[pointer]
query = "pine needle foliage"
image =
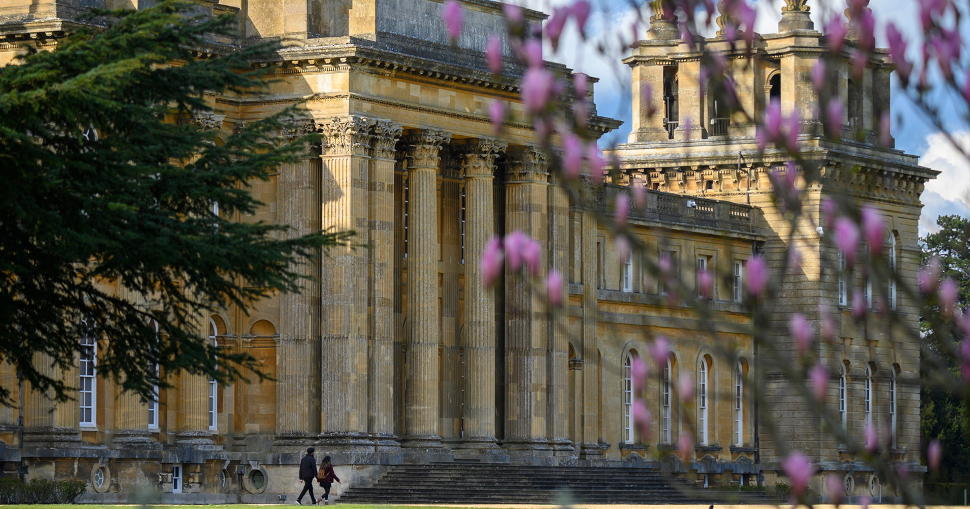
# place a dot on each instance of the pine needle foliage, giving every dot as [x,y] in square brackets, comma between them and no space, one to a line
[107,180]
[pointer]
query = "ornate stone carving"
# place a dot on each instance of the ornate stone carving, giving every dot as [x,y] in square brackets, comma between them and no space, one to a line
[424,147]
[528,164]
[796,6]
[207,119]
[480,155]
[346,135]
[386,134]
[297,128]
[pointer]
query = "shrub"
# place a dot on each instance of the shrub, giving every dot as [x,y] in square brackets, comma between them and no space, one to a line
[40,491]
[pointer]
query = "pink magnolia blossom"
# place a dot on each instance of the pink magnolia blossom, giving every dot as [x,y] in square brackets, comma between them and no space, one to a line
[514,244]
[705,284]
[532,53]
[622,245]
[491,262]
[818,75]
[859,303]
[801,331]
[660,351]
[833,489]
[493,54]
[685,444]
[581,10]
[581,85]
[581,113]
[928,278]
[685,387]
[864,501]
[638,372]
[642,418]
[871,437]
[621,210]
[885,129]
[596,162]
[537,86]
[834,112]
[835,32]
[572,155]
[757,272]
[965,353]
[496,114]
[555,24]
[829,209]
[897,50]
[639,192]
[948,294]
[873,229]
[453,16]
[688,128]
[532,256]
[513,14]
[799,470]
[554,287]
[934,453]
[847,238]
[818,378]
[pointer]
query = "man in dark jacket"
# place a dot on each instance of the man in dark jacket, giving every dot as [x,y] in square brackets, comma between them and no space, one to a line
[308,471]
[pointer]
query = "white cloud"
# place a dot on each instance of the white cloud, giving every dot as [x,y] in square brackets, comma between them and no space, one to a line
[949,193]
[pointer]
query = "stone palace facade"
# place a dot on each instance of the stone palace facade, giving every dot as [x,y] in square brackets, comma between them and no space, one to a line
[395,353]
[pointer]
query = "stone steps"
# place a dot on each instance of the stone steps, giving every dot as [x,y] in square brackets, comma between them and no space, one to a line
[497,483]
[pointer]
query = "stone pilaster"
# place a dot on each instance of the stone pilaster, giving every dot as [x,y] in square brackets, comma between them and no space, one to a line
[478,340]
[421,357]
[558,350]
[589,365]
[47,422]
[298,351]
[193,409]
[344,320]
[526,327]
[131,419]
[382,268]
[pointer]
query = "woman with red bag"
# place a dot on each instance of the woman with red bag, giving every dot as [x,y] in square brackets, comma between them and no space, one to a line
[326,476]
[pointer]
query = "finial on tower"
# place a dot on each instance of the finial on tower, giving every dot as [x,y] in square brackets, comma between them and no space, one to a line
[795,15]
[663,21]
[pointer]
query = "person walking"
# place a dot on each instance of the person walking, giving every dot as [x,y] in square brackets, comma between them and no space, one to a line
[308,467]
[326,476]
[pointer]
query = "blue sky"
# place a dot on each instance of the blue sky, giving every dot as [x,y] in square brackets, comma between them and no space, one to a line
[949,194]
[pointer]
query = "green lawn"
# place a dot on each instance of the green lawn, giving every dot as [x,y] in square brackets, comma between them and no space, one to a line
[218,506]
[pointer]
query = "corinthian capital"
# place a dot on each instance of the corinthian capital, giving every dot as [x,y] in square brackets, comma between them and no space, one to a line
[424,147]
[386,134]
[528,164]
[346,135]
[297,128]
[479,156]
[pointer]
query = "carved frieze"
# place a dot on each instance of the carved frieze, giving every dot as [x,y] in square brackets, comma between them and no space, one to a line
[346,135]
[207,119]
[424,147]
[297,128]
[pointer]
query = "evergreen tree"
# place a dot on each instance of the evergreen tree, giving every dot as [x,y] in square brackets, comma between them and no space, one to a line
[107,180]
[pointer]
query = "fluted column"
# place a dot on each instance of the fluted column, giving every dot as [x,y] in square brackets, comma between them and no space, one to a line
[193,403]
[298,351]
[47,421]
[344,319]
[421,358]
[382,267]
[589,363]
[131,418]
[527,331]
[478,340]
[558,374]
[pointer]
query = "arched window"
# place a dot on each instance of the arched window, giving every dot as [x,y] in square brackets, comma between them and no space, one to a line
[213,385]
[153,403]
[88,388]
[843,399]
[892,407]
[666,402]
[867,395]
[774,90]
[739,404]
[628,427]
[702,400]
[892,268]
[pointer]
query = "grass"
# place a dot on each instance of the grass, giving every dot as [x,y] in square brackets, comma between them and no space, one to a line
[214,506]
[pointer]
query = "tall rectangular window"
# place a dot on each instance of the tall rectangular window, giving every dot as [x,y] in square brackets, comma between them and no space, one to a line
[669,259]
[88,390]
[628,427]
[628,274]
[843,289]
[666,434]
[153,403]
[703,266]
[738,289]
[892,270]
[739,405]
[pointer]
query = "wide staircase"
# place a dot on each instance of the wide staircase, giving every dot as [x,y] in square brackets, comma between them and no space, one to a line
[458,483]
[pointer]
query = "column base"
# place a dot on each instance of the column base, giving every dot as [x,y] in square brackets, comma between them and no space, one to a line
[197,439]
[135,438]
[359,448]
[425,449]
[295,439]
[530,452]
[50,436]
[479,449]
